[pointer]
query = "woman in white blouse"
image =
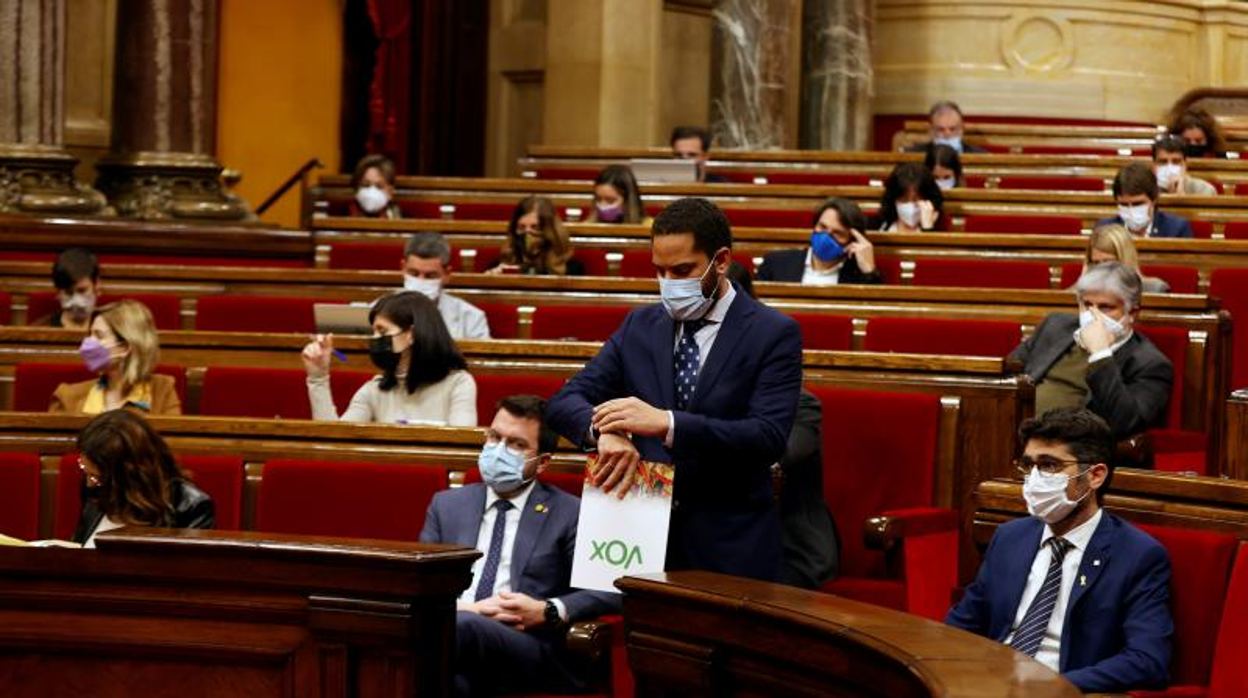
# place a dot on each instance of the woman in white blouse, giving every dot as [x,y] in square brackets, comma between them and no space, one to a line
[424,379]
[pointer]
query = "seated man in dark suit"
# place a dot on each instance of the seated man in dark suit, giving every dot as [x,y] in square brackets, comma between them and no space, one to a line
[839,253]
[945,125]
[1096,359]
[694,143]
[1136,192]
[1084,592]
[513,617]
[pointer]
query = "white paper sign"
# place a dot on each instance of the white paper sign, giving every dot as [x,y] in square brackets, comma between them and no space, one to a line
[617,537]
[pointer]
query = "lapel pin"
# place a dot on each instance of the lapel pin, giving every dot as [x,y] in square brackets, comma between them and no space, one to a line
[1096,563]
[540,508]
[1083,580]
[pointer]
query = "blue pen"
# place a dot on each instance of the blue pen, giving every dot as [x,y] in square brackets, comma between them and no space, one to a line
[340,356]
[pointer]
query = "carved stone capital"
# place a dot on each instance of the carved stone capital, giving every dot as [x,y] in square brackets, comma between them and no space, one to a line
[36,178]
[152,185]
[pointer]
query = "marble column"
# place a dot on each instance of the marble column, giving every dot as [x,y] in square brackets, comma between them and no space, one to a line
[836,74]
[36,174]
[755,73]
[160,163]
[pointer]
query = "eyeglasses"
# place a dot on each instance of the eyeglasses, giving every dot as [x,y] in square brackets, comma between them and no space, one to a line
[92,480]
[1045,464]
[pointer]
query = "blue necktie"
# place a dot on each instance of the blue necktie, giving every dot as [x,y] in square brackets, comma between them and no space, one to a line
[485,587]
[686,363]
[1036,621]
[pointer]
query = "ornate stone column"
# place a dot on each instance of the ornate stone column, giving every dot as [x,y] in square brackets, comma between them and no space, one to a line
[755,73]
[836,74]
[164,114]
[36,174]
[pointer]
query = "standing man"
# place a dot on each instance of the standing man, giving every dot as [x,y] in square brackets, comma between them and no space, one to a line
[427,269]
[707,380]
[1084,592]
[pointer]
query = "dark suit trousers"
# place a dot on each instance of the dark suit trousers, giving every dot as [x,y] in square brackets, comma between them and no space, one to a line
[492,658]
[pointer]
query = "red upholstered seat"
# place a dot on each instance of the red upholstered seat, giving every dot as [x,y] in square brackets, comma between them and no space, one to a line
[357,500]
[492,387]
[572,483]
[1069,150]
[68,496]
[221,477]
[1172,341]
[480,211]
[19,495]
[365,255]
[1230,654]
[869,471]
[166,309]
[593,258]
[1235,230]
[196,261]
[637,264]
[586,323]
[942,336]
[1176,449]
[978,273]
[830,332]
[1071,271]
[1038,183]
[768,218]
[1202,230]
[831,179]
[585,174]
[503,318]
[256,314]
[6,308]
[33,384]
[1030,225]
[890,268]
[1181,279]
[270,393]
[1231,285]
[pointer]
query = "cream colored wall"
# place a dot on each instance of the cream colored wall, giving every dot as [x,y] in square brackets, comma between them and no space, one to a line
[89,38]
[685,69]
[1110,59]
[279,94]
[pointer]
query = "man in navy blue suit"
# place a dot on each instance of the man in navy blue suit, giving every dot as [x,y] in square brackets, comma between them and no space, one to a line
[512,619]
[707,380]
[1136,191]
[1084,592]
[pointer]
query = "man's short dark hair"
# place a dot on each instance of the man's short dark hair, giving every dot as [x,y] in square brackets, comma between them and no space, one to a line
[1087,437]
[428,244]
[1135,179]
[383,164]
[944,105]
[1169,144]
[682,132]
[532,407]
[74,265]
[847,211]
[708,224]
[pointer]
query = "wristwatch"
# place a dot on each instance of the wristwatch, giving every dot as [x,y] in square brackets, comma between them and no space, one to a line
[553,619]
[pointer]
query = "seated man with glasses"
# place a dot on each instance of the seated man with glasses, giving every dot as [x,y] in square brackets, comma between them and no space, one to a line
[513,617]
[1084,592]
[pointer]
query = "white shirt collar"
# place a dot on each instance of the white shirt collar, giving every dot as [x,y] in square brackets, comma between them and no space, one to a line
[810,266]
[1080,535]
[518,501]
[720,310]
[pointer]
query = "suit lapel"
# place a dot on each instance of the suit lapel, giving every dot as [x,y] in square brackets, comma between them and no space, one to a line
[1018,569]
[1095,560]
[664,350]
[530,531]
[734,327]
[467,526]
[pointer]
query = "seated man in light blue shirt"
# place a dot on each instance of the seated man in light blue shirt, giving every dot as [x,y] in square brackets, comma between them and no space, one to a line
[427,268]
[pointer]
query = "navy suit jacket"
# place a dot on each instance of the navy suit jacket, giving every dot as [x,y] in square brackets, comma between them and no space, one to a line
[735,427]
[790,265]
[1117,630]
[1165,225]
[541,561]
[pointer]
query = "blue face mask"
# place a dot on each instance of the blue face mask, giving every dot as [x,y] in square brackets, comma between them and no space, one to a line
[954,142]
[502,469]
[825,247]
[684,298]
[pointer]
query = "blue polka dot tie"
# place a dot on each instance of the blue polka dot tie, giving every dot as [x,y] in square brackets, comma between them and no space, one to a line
[485,587]
[1036,621]
[686,365]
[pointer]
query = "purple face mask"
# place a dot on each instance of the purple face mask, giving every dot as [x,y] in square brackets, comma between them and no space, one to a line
[96,356]
[609,214]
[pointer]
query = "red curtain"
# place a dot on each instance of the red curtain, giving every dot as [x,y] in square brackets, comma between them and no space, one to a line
[390,95]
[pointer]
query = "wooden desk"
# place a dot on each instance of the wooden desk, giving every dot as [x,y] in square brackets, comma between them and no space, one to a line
[157,612]
[704,634]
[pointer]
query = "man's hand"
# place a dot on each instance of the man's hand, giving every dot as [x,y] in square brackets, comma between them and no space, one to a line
[489,608]
[1096,336]
[521,611]
[617,464]
[628,415]
[927,215]
[862,251]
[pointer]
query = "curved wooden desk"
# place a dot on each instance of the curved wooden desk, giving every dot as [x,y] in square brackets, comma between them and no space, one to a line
[698,633]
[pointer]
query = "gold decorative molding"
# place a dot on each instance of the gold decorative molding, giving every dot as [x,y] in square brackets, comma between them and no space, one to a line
[159,185]
[40,179]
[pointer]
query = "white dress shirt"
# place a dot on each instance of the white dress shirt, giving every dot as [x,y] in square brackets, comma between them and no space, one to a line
[820,277]
[705,339]
[1050,651]
[502,582]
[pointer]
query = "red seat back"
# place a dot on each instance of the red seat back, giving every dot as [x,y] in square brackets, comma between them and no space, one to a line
[1038,183]
[1230,653]
[1202,230]
[868,469]
[1235,230]
[19,495]
[1172,341]
[942,336]
[830,332]
[503,318]
[594,259]
[221,477]
[572,483]
[1200,563]
[166,309]
[585,323]
[256,314]
[1030,225]
[270,393]
[637,264]
[68,496]
[585,174]
[1231,285]
[492,387]
[1181,279]
[356,500]
[768,218]
[6,308]
[33,384]
[977,273]
[365,255]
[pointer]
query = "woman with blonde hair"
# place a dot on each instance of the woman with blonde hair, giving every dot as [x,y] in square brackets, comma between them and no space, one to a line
[122,349]
[537,242]
[1114,243]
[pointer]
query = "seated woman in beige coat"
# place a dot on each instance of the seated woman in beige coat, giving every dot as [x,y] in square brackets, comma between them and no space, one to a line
[122,349]
[424,379]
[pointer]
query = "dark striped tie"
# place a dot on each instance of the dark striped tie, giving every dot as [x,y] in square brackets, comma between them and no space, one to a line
[1036,621]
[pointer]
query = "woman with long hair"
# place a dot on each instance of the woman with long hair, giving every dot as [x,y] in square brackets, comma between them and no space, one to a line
[912,201]
[1114,243]
[617,198]
[537,242]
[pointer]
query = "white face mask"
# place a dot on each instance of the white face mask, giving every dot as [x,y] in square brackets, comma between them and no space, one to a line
[908,213]
[372,198]
[1168,174]
[1136,218]
[1046,496]
[432,288]
[683,298]
[78,305]
[954,142]
[946,183]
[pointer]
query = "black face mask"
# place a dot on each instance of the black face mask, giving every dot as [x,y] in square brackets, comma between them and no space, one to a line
[381,351]
[1193,150]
